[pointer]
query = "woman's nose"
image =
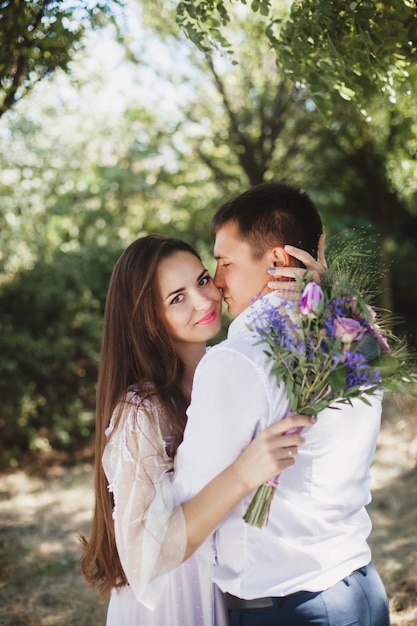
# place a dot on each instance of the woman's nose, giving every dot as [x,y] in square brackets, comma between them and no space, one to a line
[202,301]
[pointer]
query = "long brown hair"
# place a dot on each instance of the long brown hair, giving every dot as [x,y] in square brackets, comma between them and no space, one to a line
[137,351]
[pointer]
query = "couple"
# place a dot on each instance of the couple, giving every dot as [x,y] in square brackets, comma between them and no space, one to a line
[158,500]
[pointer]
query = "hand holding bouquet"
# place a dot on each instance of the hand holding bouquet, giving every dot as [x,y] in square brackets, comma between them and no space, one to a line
[329,348]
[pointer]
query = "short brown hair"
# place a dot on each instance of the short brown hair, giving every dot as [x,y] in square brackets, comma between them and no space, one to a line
[272,214]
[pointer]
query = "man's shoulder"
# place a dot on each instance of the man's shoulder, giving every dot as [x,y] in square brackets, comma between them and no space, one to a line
[237,347]
[241,342]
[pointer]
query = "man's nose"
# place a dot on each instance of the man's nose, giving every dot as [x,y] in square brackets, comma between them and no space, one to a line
[218,278]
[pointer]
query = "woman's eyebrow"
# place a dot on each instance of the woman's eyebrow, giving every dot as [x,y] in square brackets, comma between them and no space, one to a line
[173,293]
[200,276]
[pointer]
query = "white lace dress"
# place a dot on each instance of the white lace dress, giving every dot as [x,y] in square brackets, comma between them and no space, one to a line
[150,532]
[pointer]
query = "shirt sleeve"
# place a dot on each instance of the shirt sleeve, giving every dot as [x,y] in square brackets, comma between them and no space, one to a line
[150,531]
[230,404]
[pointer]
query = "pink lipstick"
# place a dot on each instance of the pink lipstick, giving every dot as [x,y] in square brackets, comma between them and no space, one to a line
[207,319]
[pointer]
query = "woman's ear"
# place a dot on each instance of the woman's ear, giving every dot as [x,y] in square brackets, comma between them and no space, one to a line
[280,257]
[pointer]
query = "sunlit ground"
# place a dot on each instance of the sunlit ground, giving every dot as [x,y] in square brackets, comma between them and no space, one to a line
[40,518]
[394,508]
[43,510]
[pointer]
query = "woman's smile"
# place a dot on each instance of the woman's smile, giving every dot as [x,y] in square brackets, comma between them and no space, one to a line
[207,319]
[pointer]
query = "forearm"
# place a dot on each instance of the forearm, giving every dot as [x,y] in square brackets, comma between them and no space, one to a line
[206,510]
[267,455]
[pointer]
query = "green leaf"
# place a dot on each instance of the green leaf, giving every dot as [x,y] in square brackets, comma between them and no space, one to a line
[370,346]
[365,399]
[386,365]
[337,378]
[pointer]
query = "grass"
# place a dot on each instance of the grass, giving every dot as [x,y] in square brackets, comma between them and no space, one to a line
[44,508]
[43,511]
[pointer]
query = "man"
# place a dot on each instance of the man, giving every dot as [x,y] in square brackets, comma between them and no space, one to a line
[311,563]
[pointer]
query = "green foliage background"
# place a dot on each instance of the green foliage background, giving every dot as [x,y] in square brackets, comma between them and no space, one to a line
[79,180]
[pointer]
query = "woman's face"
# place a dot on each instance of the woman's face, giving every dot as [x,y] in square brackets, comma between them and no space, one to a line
[191,303]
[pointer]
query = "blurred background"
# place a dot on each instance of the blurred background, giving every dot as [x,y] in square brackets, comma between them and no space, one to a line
[119,119]
[114,123]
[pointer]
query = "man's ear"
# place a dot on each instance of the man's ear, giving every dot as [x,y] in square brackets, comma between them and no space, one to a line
[280,258]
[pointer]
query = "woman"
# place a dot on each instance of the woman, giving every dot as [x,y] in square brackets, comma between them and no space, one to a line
[162,307]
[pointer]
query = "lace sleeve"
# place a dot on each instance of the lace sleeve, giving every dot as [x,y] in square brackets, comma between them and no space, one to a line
[150,532]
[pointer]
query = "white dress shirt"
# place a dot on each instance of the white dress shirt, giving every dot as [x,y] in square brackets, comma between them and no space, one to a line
[318,526]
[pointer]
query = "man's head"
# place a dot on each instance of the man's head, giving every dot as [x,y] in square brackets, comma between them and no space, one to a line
[250,232]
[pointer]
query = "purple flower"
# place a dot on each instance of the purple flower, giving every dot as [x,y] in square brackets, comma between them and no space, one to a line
[359,374]
[371,312]
[348,330]
[376,331]
[311,300]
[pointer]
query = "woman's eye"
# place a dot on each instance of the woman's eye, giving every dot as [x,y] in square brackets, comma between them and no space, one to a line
[203,281]
[225,264]
[177,298]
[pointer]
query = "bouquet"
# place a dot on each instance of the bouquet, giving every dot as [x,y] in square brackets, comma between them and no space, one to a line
[329,348]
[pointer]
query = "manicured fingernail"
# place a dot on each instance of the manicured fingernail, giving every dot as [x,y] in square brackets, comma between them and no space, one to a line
[272,270]
[288,248]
